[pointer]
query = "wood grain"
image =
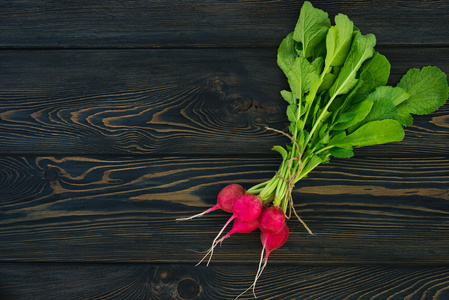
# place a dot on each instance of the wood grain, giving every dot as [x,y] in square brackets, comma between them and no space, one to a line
[362,210]
[171,281]
[117,117]
[170,102]
[205,23]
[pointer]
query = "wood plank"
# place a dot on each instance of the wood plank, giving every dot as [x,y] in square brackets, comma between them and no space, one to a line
[120,116]
[205,23]
[188,102]
[171,281]
[362,210]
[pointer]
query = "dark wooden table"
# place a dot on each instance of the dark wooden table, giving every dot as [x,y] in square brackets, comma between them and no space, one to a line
[116,117]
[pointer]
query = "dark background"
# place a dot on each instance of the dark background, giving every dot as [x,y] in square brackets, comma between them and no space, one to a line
[117,117]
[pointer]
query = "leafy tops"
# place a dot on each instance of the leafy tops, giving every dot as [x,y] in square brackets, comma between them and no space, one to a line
[338,98]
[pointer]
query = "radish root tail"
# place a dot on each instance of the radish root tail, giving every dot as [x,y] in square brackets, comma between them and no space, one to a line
[258,274]
[198,215]
[215,242]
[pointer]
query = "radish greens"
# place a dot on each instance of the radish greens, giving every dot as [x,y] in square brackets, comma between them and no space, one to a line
[339,100]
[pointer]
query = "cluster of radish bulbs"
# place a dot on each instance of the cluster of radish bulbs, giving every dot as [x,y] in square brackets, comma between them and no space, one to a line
[248,214]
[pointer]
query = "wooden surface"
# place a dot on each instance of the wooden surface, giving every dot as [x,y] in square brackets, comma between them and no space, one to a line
[117,117]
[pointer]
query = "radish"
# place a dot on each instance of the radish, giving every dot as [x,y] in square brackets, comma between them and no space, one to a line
[237,227]
[247,208]
[272,220]
[225,200]
[270,243]
[241,227]
[274,241]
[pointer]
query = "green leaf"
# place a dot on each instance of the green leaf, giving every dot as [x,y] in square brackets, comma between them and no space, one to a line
[338,41]
[397,95]
[314,161]
[382,109]
[320,50]
[379,68]
[404,118]
[292,127]
[311,28]
[281,151]
[292,112]
[362,48]
[328,81]
[345,117]
[363,87]
[303,77]
[360,110]
[341,153]
[384,99]
[303,135]
[286,54]
[373,73]
[288,96]
[324,134]
[428,90]
[299,125]
[372,133]
[318,63]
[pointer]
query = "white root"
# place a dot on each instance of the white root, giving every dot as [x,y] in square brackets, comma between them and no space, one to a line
[258,274]
[197,215]
[214,243]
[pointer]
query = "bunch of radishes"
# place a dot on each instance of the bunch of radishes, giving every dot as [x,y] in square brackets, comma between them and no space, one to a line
[338,101]
[248,214]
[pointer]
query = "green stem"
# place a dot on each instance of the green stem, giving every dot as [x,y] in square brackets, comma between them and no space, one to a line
[268,190]
[256,189]
[318,121]
[281,187]
[324,149]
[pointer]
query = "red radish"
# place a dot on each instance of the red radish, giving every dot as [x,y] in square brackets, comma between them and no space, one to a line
[237,227]
[274,241]
[227,196]
[272,220]
[241,227]
[270,243]
[246,209]
[225,200]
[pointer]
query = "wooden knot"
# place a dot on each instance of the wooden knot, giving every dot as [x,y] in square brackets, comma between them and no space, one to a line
[219,86]
[51,174]
[165,274]
[188,288]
